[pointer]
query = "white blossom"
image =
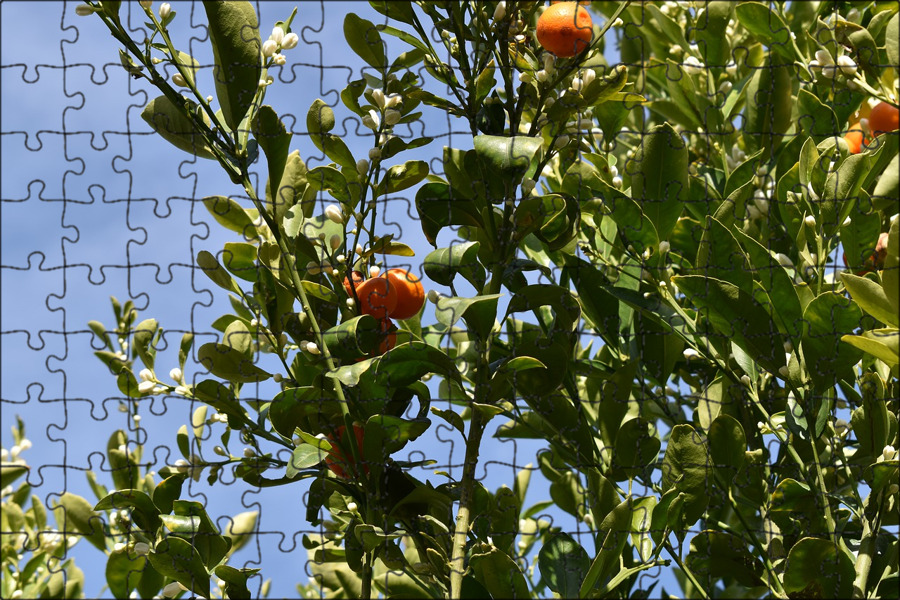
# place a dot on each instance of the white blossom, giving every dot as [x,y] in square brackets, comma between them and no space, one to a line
[847,65]
[83,10]
[290,41]
[577,84]
[164,10]
[279,59]
[374,271]
[692,65]
[372,120]
[145,387]
[146,3]
[731,68]
[392,100]
[277,35]
[334,213]
[142,548]
[269,48]
[176,374]
[378,97]
[313,348]
[146,375]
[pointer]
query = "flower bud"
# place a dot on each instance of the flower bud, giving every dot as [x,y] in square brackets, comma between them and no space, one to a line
[145,387]
[277,35]
[172,590]
[824,57]
[527,187]
[335,241]
[378,97]
[374,271]
[269,47]
[146,3]
[279,59]
[393,100]
[588,76]
[84,10]
[362,166]
[220,451]
[290,41]
[313,348]
[561,141]
[372,120]
[374,153]
[176,374]
[179,80]
[334,213]
[731,68]
[434,296]
[277,378]
[888,453]
[165,9]
[810,221]
[392,117]
[146,375]
[847,65]
[617,182]
[249,452]
[500,11]
[352,507]
[726,86]
[577,84]
[542,76]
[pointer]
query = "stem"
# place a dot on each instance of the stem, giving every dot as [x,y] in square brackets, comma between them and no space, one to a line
[366,592]
[457,559]
[687,571]
[779,591]
[820,481]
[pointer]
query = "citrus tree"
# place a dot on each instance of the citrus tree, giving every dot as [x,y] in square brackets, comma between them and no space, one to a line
[642,268]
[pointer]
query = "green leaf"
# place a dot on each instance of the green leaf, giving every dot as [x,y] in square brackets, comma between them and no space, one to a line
[238,337]
[890,40]
[123,573]
[871,298]
[353,338]
[890,276]
[209,543]
[9,472]
[816,118]
[212,269]
[442,265]
[827,318]
[364,39]
[816,568]
[275,142]
[235,580]
[179,560]
[291,406]
[304,457]
[636,446]
[614,531]
[717,554]
[880,343]
[505,157]
[686,467]
[330,179]
[738,316]
[565,307]
[293,190]
[78,515]
[641,520]
[145,513]
[228,363]
[241,529]
[440,206]
[401,177]
[234,34]
[230,215]
[721,256]
[170,122]
[143,339]
[479,312]
[496,571]
[842,191]
[563,564]
[767,25]
[168,491]
[659,177]
[769,102]
[712,21]
[727,445]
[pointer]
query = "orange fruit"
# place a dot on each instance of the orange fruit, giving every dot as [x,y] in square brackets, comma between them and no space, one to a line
[565,29]
[410,293]
[876,261]
[389,331]
[581,2]
[336,461]
[884,118]
[855,138]
[377,297]
[357,281]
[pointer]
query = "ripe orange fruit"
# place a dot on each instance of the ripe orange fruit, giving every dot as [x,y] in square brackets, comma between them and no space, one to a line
[581,2]
[389,333]
[377,297]
[357,281]
[884,118]
[336,461]
[565,29]
[855,138]
[410,293]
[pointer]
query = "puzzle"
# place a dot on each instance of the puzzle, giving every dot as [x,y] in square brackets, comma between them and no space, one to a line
[450,299]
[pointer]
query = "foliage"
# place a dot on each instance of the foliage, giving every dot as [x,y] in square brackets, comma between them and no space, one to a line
[675,209]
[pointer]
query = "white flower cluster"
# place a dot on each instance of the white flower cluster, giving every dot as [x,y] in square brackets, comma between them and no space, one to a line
[13,454]
[278,41]
[386,112]
[827,66]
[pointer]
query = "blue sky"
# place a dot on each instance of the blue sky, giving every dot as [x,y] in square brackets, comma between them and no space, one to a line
[94,204]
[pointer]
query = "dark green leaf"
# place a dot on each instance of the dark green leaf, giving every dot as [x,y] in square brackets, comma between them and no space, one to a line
[563,564]
[175,127]
[176,558]
[659,177]
[228,363]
